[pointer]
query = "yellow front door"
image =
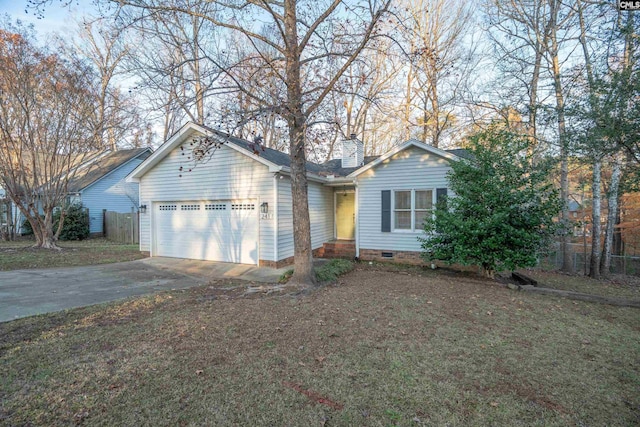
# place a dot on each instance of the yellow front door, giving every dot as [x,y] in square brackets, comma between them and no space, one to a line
[345,216]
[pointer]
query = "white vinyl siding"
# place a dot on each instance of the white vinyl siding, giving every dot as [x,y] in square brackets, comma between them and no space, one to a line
[228,175]
[320,215]
[410,169]
[285,219]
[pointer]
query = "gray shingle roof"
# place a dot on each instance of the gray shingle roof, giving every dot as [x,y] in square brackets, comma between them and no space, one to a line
[103,166]
[274,156]
[334,167]
[461,152]
[330,167]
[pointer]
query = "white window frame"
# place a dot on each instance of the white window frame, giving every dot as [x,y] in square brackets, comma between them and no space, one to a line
[412,210]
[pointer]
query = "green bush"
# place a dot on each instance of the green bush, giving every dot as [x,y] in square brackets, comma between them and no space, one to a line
[502,215]
[328,272]
[26,228]
[75,227]
[333,269]
[284,277]
[76,223]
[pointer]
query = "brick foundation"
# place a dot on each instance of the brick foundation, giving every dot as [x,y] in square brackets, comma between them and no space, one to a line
[318,253]
[401,257]
[412,258]
[339,249]
[275,264]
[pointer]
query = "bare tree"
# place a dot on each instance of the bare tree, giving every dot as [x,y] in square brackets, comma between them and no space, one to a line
[117,119]
[519,32]
[46,105]
[440,60]
[556,22]
[309,46]
[530,37]
[358,101]
[604,112]
[178,65]
[104,48]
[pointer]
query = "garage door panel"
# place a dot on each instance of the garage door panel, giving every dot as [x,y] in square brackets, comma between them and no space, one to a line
[218,231]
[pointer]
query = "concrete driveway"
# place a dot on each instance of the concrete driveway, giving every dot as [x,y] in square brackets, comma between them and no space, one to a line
[28,292]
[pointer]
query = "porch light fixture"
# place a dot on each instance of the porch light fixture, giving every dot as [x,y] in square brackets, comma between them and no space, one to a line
[143,209]
[264,208]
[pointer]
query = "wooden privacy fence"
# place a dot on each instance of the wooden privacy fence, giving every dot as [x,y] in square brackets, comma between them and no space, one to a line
[121,227]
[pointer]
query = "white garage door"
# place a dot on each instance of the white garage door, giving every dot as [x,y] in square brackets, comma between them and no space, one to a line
[209,230]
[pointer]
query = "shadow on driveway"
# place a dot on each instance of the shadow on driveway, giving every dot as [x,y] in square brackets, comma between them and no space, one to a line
[28,292]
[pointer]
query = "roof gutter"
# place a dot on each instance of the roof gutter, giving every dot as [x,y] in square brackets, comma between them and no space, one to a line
[285,170]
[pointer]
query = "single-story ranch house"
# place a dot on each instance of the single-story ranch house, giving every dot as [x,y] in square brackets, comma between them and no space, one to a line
[234,204]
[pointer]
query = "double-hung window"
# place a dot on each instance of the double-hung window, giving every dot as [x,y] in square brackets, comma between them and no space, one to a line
[411,208]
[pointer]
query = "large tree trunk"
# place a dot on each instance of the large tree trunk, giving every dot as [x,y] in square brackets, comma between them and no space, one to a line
[565,243]
[567,264]
[435,113]
[407,102]
[612,201]
[533,100]
[196,71]
[594,265]
[43,230]
[617,235]
[303,257]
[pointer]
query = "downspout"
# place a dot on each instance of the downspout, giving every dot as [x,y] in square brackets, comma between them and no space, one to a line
[357,208]
[276,177]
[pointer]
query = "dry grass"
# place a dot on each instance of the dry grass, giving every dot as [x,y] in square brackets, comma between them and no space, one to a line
[617,286]
[379,348]
[21,255]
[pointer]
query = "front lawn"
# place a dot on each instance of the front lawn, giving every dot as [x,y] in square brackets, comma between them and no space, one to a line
[379,348]
[618,286]
[21,255]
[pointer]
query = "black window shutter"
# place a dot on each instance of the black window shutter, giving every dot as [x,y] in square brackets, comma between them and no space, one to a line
[386,210]
[441,194]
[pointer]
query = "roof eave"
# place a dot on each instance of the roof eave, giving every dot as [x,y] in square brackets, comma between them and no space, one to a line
[284,170]
[175,140]
[159,154]
[81,189]
[402,147]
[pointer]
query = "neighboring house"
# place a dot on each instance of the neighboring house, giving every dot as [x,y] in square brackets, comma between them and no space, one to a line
[235,205]
[100,184]
[10,216]
[6,215]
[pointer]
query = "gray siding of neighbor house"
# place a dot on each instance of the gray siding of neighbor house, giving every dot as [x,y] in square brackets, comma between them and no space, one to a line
[320,213]
[16,215]
[112,193]
[412,168]
[228,175]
